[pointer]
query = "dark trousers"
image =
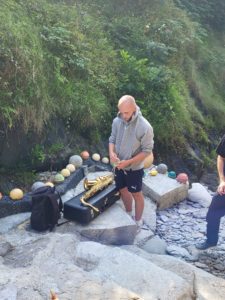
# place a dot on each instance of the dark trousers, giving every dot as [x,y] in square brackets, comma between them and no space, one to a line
[214,214]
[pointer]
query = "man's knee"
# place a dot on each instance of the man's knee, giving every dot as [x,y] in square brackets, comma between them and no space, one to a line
[138,195]
[123,190]
[217,208]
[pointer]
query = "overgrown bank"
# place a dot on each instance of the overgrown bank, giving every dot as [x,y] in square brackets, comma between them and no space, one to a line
[64,64]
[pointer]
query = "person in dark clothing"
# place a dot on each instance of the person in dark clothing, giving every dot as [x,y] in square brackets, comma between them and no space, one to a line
[217,207]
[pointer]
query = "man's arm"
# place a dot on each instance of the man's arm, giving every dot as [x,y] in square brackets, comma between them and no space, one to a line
[220,169]
[112,154]
[136,159]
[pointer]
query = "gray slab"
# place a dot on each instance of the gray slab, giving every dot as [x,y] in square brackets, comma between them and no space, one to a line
[163,190]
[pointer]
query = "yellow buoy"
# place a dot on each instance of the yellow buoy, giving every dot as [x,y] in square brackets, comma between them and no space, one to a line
[71,168]
[105,160]
[96,157]
[65,172]
[148,161]
[153,172]
[16,194]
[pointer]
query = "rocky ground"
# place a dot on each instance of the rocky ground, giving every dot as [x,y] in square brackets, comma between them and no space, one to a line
[184,225]
[87,263]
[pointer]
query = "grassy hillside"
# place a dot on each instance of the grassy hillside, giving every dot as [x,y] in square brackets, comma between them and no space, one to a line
[72,60]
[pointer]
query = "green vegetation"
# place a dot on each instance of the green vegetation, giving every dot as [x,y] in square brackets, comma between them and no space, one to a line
[72,60]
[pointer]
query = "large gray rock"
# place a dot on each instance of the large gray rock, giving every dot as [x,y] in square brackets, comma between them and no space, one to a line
[114,226]
[39,262]
[155,245]
[53,267]
[9,292]
[105,262]
[163,190]
[12,221]
[142,237]
[5,247]
[198,193]
[204,285]
[178,251]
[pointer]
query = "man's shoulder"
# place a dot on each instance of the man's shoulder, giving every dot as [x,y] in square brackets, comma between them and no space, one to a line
[144,121]
[117,120]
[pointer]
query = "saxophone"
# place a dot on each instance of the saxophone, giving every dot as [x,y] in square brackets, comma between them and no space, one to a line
[95,186]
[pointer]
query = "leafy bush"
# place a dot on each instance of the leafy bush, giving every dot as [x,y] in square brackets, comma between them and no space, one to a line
[23,88]
[72,60]
[159,93]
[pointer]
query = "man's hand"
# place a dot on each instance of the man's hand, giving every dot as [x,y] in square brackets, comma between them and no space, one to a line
[221,188]
[114,158]
[123,164]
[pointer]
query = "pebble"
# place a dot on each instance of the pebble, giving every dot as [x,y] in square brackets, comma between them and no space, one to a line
[164,218]
[184,211]
[219,267]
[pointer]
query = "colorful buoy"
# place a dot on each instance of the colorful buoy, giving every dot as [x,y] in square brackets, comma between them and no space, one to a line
[182,178]
[71,168]
[59,178]
[16,194]
[105,160]
[153,172]
[162,168]
[76,160]
[172,174]
[65,172]
[49,183]
[148,161]
[85,154]
[96,157]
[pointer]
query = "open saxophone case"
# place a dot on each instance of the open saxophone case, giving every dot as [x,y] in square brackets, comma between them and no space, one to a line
[99,195]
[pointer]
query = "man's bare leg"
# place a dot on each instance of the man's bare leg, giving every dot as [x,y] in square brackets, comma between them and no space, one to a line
[127,199]
[139,205]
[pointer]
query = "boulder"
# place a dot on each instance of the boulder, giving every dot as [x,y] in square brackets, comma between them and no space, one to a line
[198,193]
[205,286]
[105,262]
[163,190]
[114,226]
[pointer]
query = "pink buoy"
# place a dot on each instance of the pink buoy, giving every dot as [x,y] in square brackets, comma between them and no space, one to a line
[85,154]
[182,178]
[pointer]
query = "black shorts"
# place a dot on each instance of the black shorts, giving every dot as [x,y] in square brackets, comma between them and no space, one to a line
[130,179]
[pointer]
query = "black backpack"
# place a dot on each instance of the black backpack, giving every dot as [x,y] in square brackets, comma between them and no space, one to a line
[46,208]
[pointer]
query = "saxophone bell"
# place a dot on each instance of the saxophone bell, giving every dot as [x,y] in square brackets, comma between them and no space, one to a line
[89,183]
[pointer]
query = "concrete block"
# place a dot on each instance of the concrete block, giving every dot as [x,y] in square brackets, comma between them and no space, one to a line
[163,190]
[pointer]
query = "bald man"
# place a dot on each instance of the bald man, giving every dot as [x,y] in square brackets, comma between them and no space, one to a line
[131,141]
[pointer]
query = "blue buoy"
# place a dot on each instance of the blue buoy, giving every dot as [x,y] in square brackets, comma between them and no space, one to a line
[172,174]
